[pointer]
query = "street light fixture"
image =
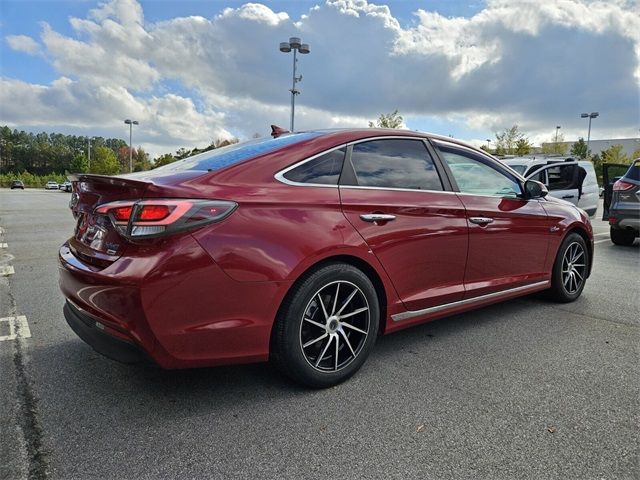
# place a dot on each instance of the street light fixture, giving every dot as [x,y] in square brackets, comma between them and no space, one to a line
[589,116]
[296,45]
[557,128]
[488,144]
[131,123]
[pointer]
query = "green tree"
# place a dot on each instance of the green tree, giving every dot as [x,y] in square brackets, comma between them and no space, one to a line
[165,159]
[579,149]
[614,154]
[388,120]
[507,141]
[555,148]
[105,162]
[523,147]
[141,160]
[79,164]
[635,154]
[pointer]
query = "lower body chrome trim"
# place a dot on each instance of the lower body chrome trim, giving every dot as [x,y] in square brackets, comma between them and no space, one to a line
[469,301]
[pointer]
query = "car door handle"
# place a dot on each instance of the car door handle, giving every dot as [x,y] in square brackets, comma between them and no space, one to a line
[568,196]
[377,217]
[481,220]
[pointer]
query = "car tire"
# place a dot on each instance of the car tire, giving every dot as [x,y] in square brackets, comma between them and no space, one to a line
[621,236]
[570,269]
[327,326]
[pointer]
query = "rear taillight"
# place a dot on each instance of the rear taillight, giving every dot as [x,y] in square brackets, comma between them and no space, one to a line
[621,185]
[157,217]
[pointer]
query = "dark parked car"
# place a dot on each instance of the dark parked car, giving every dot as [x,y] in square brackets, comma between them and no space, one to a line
[304,248]
[17,184]
[622,201]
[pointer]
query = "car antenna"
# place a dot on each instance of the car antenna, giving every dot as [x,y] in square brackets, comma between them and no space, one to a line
[276,131]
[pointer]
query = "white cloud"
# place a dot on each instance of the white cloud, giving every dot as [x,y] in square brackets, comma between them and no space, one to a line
[23,43]
[534,63]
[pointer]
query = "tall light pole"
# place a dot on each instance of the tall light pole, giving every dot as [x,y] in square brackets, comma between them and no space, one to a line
[557,128]
[589,116]
[88,153]
[296,45]
[488,144]
[131,123]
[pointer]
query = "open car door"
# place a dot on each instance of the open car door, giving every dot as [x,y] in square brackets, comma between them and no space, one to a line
[610,173]
[559,177]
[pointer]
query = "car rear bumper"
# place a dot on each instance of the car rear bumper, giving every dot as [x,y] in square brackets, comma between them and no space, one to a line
[174,304]
[94,333]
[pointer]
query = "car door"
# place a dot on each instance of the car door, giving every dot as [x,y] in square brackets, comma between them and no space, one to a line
[611,172]
[508,234]
[559,179]
[393,192]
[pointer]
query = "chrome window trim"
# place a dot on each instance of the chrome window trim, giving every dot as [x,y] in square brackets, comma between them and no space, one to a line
[395,189]
[280,175]
[469,301]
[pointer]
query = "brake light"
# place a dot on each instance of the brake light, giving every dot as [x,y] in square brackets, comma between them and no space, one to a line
[621,186]
[122,214]
[158,217]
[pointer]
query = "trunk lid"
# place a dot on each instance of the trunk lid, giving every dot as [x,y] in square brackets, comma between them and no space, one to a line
[95,240]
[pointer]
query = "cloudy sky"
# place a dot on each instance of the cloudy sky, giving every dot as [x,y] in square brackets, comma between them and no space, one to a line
[193,71]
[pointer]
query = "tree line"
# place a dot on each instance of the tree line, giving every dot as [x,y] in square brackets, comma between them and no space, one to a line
[55,154]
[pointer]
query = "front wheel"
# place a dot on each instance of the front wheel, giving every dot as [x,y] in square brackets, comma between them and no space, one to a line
[327,326]
[570,269]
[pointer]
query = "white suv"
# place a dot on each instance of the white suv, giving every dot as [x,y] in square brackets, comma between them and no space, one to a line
[51,185]
[561,178]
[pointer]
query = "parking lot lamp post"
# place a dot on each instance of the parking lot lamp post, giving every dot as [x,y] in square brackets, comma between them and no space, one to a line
[557,128]
[88,153]
[131,123]
[589,116]
[296,45]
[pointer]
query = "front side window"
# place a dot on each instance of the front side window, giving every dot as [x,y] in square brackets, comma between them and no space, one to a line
[395,163]
[476,177]
[324,170]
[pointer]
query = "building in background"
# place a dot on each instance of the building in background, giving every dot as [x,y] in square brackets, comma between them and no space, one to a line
[629,145]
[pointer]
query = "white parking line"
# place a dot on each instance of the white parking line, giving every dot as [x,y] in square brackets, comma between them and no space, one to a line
[4,245]
[600,234]
[6,270]
[601,241]
[18,328]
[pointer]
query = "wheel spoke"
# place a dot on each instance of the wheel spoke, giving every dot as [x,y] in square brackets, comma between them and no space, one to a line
[326,347]
[313,322]
[348,325]
[344,305]
[355,312]
[346,340]
[578,254]
[324,309]
[337,344]
[566,279]
[578,274]
[311,342]
[335,300]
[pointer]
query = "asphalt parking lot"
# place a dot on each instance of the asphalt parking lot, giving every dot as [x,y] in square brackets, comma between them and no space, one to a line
[524,389]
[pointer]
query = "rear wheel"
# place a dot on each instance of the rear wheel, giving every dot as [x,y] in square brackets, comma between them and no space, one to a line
[621,236]
[570,269]
[327,326]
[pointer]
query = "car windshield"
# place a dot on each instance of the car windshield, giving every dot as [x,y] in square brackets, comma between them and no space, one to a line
[634,172]
[225,156]
[519,168]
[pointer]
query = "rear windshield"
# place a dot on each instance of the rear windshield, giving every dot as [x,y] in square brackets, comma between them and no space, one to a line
[225,156]
[519,168]
[634,172]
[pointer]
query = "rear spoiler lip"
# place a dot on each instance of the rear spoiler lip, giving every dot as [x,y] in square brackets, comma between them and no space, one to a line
[119,181]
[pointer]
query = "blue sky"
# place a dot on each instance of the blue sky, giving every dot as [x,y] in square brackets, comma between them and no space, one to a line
[461,68]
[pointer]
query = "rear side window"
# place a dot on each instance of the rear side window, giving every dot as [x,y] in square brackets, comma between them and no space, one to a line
[323,170]
[634,172]
[225,156]
[395,163]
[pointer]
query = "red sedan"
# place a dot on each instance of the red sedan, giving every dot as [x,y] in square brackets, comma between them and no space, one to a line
[304,248]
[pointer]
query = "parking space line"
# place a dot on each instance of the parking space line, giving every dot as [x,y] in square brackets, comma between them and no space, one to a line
[601,241]
[6,270]
[600,234]
[18,328]
[4,245]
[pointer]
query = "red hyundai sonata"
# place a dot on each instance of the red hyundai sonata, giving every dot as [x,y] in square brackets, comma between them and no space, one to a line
[304,248]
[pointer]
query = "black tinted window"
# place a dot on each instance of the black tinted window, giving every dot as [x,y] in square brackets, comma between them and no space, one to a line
[395,164]
[634,172]
[324,169]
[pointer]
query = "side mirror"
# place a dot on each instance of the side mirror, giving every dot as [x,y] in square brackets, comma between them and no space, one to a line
[534,189]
